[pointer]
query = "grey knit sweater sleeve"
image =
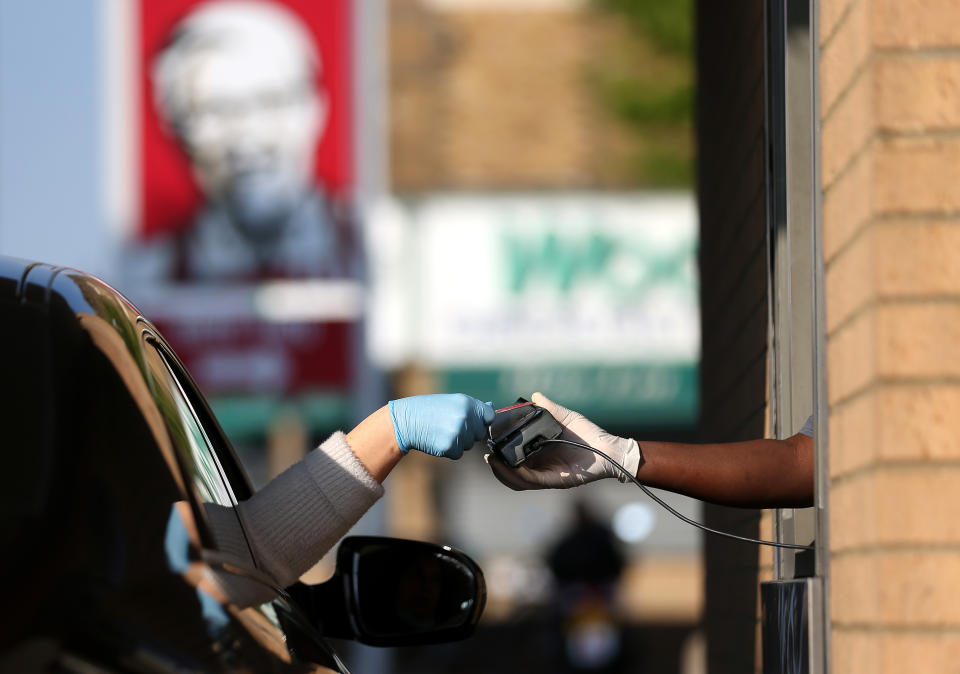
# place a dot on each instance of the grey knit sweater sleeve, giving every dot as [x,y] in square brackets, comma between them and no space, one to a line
[302,512]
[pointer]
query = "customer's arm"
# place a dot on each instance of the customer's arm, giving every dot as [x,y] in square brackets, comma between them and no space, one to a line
[300,514]
[374,443]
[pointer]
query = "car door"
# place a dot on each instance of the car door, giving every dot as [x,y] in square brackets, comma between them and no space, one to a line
[220,483]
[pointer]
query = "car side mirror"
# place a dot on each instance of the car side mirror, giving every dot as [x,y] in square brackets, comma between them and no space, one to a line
[396,592]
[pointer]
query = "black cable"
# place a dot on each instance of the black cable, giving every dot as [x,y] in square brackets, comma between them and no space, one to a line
[791,546]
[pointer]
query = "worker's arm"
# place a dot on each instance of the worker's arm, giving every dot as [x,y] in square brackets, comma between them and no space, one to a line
[755,473]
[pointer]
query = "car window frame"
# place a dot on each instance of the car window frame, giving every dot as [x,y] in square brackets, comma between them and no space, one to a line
[235,477]
[229,465]
[229,470]
[207,442]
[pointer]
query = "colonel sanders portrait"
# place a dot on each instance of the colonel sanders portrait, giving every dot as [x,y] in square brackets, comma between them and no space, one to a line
[236,86]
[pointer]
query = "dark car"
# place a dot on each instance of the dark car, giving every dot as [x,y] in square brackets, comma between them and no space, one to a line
[113,469]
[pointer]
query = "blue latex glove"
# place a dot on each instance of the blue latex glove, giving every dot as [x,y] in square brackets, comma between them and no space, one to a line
[441,424]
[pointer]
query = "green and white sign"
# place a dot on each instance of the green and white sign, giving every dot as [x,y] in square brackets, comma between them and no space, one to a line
[590,298]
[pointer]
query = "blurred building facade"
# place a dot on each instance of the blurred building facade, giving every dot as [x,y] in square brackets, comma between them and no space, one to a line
[504,96]
[493,100]
[498,105]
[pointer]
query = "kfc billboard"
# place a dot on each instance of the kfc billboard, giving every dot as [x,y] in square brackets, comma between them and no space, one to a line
[245,138]
[244,172]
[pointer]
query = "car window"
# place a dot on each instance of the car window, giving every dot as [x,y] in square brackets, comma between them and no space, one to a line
[209,460]
[187,434]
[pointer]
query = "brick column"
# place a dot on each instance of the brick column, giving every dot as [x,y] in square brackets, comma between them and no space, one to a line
[890,108]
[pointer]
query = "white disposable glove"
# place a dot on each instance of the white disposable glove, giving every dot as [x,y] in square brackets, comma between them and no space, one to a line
[561,466]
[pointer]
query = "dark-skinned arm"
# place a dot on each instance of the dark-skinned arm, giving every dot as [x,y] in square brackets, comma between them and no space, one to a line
[749,474]
[752,474]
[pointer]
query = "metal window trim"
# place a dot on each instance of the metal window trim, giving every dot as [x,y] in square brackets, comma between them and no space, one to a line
[821,411]
[781,161]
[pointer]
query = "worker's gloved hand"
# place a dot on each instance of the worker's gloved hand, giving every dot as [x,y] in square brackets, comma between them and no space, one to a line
[560,466]
[442,424]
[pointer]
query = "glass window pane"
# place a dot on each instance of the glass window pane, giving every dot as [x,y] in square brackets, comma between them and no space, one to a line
[188,435]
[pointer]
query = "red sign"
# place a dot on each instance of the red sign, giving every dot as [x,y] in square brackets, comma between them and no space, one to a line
[258,358]
[245,171]
[170,193]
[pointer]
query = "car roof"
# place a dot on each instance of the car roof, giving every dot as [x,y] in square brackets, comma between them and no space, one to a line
[60,323]
[40,283]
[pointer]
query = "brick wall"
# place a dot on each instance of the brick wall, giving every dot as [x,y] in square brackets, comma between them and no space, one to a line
[500,98]
[733,268]
[890,107]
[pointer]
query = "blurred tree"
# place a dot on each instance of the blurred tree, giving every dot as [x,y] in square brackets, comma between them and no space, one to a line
[644,78]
